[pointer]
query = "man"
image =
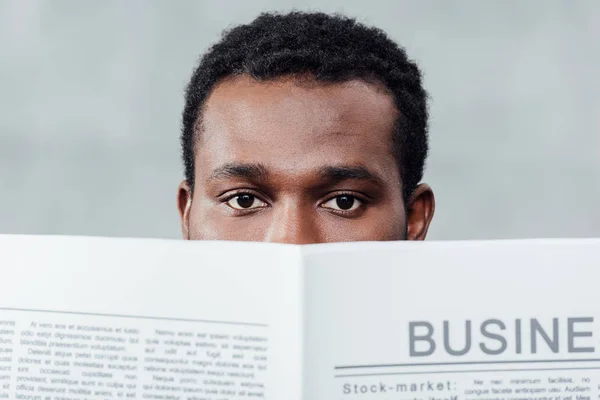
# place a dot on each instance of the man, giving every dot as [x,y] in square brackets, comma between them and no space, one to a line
[305,128]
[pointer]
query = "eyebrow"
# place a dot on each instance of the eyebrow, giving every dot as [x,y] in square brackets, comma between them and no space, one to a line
[336,174]
[256,172]
[329,174]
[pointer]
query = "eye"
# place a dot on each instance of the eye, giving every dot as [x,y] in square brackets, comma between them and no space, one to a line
[245,201]
[343,203]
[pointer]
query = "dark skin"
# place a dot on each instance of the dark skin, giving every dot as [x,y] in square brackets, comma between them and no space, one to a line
[298,161]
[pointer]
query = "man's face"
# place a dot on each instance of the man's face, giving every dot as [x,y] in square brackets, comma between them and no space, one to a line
[299,161]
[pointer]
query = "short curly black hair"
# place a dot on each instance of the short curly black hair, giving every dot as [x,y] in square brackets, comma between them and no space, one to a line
[331,48]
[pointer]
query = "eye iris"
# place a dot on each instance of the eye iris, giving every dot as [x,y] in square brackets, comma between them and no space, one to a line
[345,202]
[245,200]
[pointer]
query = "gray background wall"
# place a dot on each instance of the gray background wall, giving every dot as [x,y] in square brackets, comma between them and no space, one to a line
[91,94]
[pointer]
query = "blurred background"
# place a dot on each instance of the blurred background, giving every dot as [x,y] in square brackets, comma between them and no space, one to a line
[91,94]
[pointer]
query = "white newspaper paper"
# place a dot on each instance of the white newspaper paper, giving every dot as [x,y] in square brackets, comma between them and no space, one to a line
[94,318]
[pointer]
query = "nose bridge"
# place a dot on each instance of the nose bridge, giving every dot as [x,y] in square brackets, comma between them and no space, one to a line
[292,224]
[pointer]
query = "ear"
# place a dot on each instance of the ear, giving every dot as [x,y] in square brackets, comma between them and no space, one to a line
[184,205]
[419,212]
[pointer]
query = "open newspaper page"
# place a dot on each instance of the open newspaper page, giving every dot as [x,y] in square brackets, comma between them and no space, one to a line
[148,319]
[516,320]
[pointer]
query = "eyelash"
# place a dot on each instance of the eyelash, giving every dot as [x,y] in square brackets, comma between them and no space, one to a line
[346,213]
[242,192]
[362,199]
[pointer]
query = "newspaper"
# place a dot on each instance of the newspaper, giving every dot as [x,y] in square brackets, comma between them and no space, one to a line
[98,318]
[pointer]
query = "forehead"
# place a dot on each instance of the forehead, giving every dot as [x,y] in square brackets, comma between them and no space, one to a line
[297,124]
